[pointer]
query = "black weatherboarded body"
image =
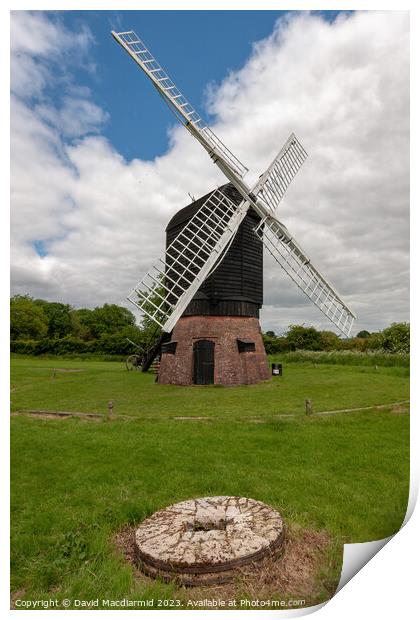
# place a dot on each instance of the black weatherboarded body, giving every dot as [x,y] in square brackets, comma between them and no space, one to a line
[235,288]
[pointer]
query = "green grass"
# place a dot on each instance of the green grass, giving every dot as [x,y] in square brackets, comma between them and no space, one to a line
[347,358]
[136,394]
[76,483]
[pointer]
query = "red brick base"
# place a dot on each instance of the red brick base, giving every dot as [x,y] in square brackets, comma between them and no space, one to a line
[230,366]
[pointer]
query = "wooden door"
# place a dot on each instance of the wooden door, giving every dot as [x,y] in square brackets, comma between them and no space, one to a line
[203,362]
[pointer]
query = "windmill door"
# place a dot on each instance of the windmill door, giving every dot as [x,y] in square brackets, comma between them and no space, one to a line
[203,362]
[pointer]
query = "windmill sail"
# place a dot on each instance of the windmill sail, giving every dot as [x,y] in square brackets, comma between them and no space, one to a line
[183,110]
[290,256]
[167,289]
[272,185]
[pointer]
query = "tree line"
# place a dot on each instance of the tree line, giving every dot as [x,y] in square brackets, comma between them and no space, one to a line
[38,326]
[393,339]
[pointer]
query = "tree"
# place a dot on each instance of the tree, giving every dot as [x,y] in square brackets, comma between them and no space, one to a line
[58,316]
[363,334]
[374,341]
[304,338]
[83,320]
[107,319]
[329,341]
[274,344]
[396,338]
[111,318]
[78,330]
[27,319]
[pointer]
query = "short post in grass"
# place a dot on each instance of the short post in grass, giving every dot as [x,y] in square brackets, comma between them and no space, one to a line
[308,407]
[110,410]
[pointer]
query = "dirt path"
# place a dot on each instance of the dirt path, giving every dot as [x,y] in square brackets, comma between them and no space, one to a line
[398,407]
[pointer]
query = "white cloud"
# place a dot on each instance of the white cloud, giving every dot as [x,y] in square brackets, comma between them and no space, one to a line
[342,88]
[37,42]
[75,117]
[40,34]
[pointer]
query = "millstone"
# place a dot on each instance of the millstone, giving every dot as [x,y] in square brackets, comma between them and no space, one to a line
[204,540]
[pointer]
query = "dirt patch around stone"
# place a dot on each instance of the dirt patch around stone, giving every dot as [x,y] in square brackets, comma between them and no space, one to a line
[307,570]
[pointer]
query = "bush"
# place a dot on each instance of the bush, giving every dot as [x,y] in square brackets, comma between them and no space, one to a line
[354,344]
[396,338]
[115,344]
[107,344]
[274,344]
[24,347]
[69,344]
[43,346]
[329,341]
[58,346]
[307,338]
[374,342]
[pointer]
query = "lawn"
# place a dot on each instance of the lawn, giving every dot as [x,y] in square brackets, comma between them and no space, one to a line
[76,483]
[88,386]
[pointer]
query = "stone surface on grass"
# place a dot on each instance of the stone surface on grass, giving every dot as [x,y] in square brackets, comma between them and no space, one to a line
[204,540]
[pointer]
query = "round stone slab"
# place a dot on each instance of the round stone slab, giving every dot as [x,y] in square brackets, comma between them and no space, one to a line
[204,540]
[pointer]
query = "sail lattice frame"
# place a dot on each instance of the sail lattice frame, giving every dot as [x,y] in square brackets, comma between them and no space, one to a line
[273,184]
[293,260]
[167,289]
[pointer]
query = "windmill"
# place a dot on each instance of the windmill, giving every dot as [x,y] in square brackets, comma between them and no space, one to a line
[200,247]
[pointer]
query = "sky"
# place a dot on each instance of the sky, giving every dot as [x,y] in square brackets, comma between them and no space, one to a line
[99,164]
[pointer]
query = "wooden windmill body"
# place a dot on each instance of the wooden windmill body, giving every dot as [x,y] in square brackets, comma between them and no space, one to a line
[218,337]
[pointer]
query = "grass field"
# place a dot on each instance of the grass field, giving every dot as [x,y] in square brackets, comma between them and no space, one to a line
[88,386]
[76,483]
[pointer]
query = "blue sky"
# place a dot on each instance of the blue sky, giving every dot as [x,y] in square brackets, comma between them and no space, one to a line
[138,121]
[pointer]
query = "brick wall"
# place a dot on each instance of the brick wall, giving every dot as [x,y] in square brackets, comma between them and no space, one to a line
[230,366]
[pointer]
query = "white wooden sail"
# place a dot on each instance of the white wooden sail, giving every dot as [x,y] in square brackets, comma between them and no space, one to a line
[293,260]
